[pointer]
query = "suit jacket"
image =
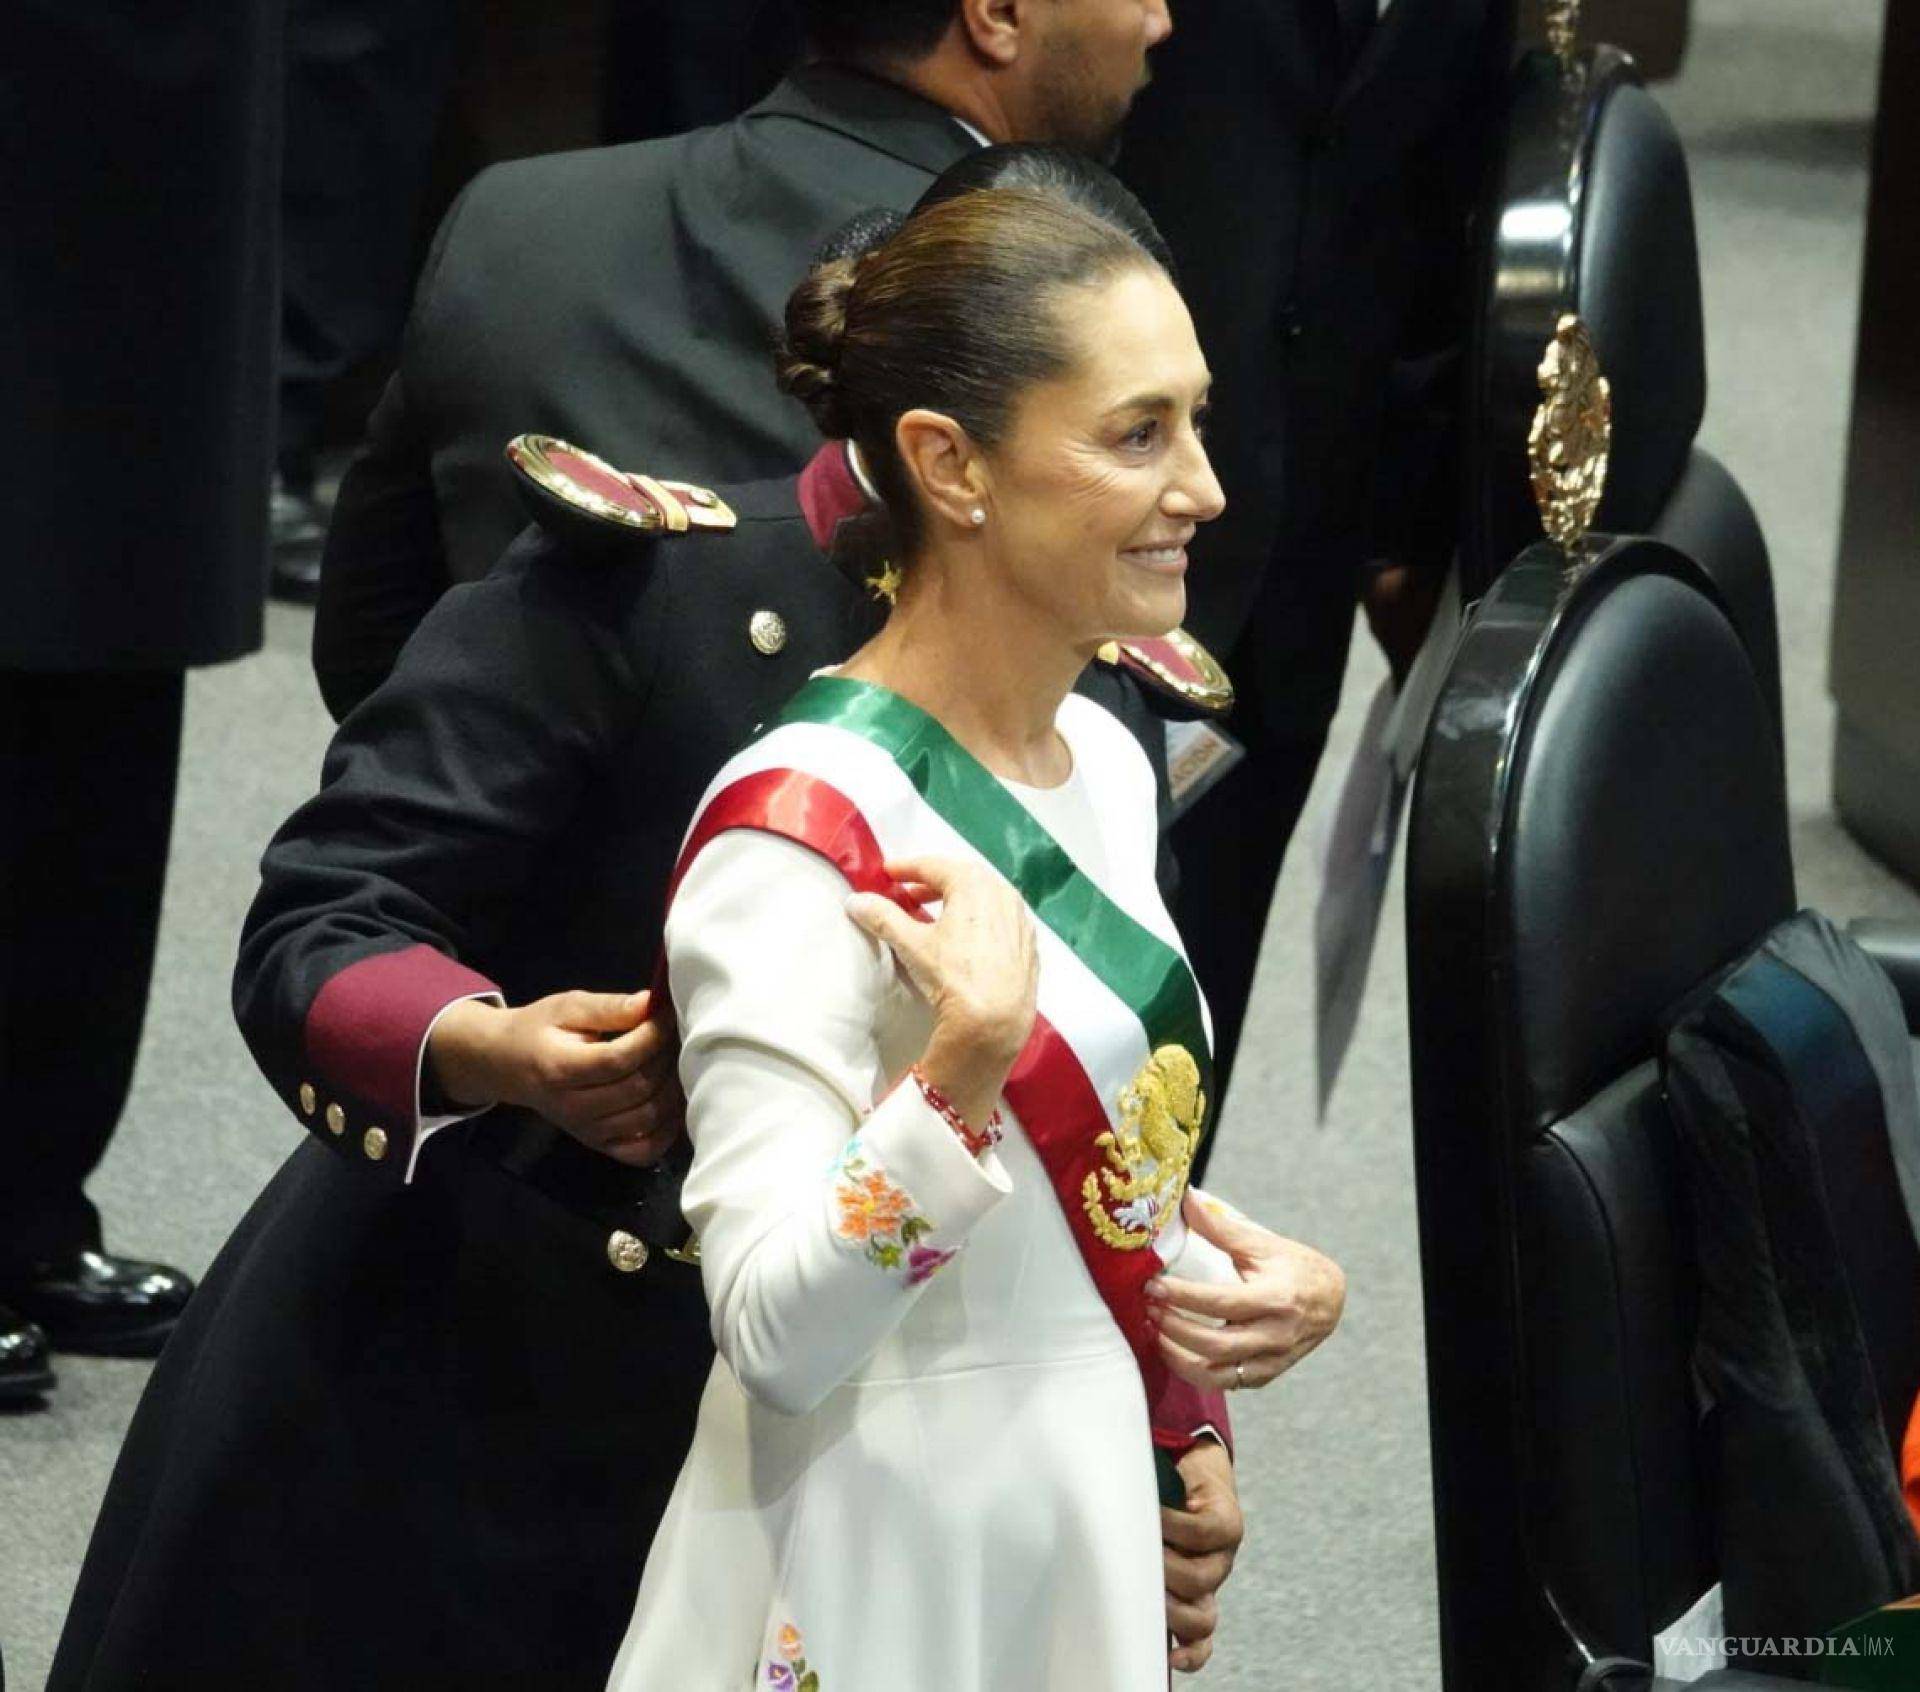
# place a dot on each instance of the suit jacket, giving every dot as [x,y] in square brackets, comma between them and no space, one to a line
[623,297]
[1319,214]
[138,315]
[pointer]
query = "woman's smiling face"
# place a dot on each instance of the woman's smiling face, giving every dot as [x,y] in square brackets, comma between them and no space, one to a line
[1102,480]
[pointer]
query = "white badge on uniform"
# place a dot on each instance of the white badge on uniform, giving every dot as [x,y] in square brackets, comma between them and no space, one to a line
[1198,754]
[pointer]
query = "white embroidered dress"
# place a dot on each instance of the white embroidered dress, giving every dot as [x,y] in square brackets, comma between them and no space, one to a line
[923,1455]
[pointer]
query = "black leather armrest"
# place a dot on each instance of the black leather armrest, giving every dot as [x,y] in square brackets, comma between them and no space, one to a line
[1895,947]
[1730,1680]
[1634,1678]
[1620,1674]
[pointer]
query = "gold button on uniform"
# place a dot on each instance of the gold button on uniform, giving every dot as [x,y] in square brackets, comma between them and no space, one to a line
[374,1143]
[336,1119]
[626,1253]
[308,1098]
[768,632]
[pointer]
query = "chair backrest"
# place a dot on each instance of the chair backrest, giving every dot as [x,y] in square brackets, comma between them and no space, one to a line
[1598,823]
[1707,517]
[1589,211]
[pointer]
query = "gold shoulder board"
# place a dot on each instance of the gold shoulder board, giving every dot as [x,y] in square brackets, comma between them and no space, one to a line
[581,497]
[1180,675]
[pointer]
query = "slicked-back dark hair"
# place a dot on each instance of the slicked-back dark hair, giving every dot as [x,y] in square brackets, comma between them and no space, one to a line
[866,31]
[953,312]
[1061,172]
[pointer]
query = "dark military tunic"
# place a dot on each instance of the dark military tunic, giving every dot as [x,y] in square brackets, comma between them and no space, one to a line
[418,1433]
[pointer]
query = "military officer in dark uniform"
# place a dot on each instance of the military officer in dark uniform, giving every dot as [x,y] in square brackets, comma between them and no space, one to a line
[421,1419]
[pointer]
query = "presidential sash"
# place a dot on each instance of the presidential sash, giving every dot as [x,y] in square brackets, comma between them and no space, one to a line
[1114,1084]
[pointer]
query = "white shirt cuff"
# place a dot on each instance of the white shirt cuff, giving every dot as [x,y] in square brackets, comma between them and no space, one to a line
[423,1125]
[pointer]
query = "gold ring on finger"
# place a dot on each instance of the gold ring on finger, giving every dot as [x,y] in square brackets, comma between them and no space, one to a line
[1239,1374]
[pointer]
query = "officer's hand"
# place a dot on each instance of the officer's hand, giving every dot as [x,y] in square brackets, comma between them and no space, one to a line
[1199,1544]
[593,1064]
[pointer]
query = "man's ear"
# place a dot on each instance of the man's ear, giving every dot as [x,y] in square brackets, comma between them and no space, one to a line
[994,28]
[943,464]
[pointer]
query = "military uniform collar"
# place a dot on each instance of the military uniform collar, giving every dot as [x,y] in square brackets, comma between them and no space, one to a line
[881,114]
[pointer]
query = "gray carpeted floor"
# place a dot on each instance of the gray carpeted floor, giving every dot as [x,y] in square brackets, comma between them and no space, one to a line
[1334,1591]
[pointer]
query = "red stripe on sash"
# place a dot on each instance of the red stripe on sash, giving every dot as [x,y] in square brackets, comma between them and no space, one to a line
[1048,1089]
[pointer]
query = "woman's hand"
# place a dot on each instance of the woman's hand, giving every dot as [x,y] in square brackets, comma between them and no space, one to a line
[1289,1299]
[976,965]
[593,1064]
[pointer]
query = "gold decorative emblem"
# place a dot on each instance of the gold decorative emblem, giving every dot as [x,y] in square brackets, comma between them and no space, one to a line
[1562,18]
[625,1253]
[688,1253]
[588,484]
[309,1099]
[336,1119]
[1572,431]
[768,632]
[1144,1178]
[1175,664]
[374,1143]
[885,584]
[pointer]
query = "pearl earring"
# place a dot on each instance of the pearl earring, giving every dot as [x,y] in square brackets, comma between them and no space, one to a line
[979,516]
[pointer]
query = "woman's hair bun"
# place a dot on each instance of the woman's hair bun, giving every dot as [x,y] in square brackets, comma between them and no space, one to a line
[809,361]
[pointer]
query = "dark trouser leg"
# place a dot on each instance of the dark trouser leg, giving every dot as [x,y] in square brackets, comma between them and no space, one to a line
[365,83]
[87,764]
[1286,668]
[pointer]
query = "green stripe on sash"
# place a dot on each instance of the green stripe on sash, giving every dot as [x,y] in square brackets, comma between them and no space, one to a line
[1147,974]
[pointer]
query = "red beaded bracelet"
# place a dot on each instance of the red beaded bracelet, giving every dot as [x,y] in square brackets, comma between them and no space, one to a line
[975,1142]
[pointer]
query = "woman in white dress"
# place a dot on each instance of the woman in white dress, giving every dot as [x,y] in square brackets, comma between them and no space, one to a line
[945,1064]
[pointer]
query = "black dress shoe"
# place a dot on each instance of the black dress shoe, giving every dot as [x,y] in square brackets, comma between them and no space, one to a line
[100,1305]
[26,1369]
[298,528]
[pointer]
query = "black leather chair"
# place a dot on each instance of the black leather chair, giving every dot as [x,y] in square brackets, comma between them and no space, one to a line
[1598,825]
[1590,211]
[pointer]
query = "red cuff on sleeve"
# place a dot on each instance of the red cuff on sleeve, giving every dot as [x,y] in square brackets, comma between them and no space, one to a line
[366,1025]
[1181,1410]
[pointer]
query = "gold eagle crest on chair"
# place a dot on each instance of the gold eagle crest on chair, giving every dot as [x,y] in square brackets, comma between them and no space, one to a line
[1149,1158]
[1571,436]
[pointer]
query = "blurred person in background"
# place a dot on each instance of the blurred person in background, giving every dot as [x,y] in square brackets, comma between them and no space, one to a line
[625,297]
[1313,166]
[365,84]
[140,172]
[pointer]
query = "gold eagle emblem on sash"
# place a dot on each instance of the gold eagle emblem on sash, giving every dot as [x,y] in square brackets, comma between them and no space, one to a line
[1148,1159]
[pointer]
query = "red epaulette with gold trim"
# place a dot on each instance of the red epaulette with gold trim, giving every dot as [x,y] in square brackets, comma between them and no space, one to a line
[583,499]
[1182,679]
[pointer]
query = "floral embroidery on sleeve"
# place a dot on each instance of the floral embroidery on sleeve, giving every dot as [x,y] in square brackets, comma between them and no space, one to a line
[877,1214]
[788,1672]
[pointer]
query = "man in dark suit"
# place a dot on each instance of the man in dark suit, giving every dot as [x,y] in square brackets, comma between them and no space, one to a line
[1312,166]
[628,297]
[136,312]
